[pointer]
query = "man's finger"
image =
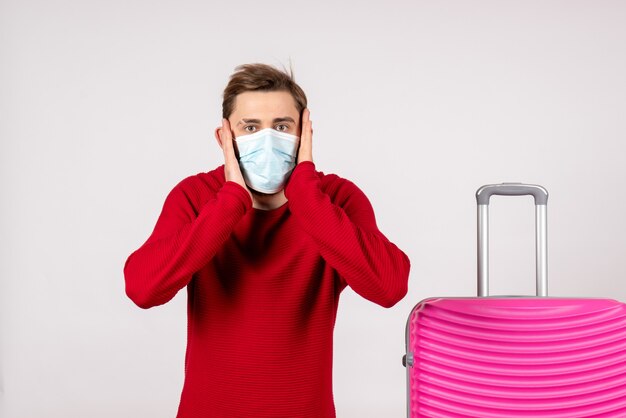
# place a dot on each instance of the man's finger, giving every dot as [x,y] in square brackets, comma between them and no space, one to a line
[227,139]
[232,172]
[306,121]
[306,138]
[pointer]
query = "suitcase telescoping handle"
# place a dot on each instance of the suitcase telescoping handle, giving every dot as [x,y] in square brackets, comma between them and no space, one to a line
[541,236]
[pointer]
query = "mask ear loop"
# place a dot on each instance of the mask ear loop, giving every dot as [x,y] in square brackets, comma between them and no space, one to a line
[235,147]
[298,150]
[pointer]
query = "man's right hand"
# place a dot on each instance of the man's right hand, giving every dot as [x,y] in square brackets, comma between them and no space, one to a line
[232,171]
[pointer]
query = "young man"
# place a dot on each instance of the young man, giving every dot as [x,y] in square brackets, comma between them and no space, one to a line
[264,244]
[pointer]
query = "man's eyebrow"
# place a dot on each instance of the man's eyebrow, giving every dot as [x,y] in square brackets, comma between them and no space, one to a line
[284,119]
[276,120]
[249,121]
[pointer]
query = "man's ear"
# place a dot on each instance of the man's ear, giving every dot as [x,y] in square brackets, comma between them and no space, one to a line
[218,136]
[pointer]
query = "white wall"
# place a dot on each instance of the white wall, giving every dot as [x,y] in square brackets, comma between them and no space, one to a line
[106,105]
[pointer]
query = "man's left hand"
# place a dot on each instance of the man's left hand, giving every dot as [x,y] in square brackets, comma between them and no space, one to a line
[306,138]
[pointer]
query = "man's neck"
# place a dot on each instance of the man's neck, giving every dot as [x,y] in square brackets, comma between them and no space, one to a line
[268,201]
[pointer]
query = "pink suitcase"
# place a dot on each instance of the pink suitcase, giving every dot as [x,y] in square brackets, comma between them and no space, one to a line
[498,357]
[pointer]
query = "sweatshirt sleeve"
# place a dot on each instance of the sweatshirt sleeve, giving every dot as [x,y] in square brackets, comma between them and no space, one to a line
[345,231]
[182,243]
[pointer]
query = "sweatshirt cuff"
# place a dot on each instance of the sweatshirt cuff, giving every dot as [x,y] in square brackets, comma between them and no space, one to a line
[239,193]
[305,168]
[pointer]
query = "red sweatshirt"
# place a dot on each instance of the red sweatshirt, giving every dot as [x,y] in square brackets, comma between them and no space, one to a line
[263,288]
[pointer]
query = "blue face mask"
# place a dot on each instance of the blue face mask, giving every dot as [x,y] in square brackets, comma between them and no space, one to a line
[266,159]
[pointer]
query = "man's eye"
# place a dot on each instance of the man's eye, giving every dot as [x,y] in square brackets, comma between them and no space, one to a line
[282,128]
[249,128]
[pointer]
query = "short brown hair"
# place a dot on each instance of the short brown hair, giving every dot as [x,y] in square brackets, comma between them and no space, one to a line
[260,77]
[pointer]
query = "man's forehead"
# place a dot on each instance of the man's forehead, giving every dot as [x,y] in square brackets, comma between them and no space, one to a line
[265,105]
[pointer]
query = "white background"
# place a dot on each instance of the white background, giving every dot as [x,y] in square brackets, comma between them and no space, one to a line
[106,105]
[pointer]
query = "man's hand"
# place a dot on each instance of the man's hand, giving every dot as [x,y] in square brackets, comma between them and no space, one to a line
[232,172]
[306,138]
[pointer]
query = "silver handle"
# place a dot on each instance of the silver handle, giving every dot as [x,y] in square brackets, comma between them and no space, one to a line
[541,231]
